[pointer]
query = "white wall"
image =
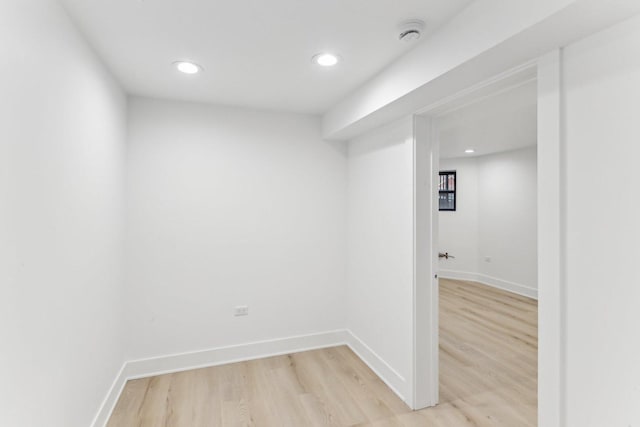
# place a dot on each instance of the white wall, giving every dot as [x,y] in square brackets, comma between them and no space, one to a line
[602,100]
[231,207]
[458,231]
[507,215]
[216,220]
[61,215]
[496,217]
[380,249]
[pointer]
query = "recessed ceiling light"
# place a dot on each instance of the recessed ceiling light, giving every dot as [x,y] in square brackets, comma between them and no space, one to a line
[326,59]
[187,67]
[469,151]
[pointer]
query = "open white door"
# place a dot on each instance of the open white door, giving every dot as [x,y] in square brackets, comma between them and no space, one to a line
[425,287]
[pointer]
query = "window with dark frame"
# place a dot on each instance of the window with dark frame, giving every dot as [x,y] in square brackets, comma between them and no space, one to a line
[447,191]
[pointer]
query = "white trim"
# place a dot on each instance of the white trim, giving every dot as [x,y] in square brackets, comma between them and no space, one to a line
[508,79]
[109,402]
[143,368]
[458,275]
[512,83]
[494,282]
[551,244]
[396,382]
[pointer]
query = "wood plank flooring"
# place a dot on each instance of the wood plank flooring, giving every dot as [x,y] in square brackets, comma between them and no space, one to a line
[488,377]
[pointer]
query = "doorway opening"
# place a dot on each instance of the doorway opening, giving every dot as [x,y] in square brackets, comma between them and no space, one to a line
[430,137]
[487,245]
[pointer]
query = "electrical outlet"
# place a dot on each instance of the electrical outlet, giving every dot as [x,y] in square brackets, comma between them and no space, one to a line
[487,259]
[241,310]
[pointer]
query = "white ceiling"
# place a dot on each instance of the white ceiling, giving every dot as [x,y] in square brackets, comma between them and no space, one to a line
[256,53]
[500,122]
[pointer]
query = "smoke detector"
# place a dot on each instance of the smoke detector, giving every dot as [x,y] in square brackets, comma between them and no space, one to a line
[411,30]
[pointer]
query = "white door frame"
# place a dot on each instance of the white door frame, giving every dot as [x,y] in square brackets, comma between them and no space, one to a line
[551,294]
[551,243]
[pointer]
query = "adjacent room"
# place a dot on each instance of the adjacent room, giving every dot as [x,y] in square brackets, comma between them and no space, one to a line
[487,233]
[225,213]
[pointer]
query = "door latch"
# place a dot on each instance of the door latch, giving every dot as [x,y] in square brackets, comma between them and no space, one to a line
[445,255]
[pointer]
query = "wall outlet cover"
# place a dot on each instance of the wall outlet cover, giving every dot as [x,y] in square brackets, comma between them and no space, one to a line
[241,310]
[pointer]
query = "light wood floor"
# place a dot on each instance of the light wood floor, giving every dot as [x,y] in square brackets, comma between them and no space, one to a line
[488,360]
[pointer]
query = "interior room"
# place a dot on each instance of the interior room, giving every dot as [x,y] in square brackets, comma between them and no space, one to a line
[218,213]
[487,233]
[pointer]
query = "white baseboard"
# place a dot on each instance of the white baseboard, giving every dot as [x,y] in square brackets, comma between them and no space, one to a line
[458,275]
[109,402]
[494,282]
[143,368]
[396,382]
